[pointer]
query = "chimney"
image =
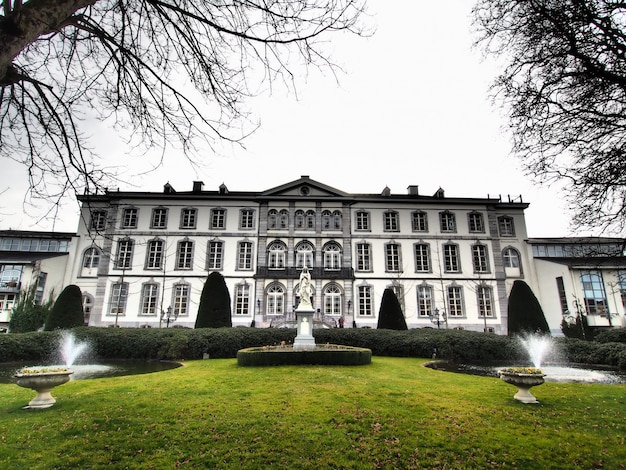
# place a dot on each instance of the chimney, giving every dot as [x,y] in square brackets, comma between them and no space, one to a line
[412,190]
[197,186]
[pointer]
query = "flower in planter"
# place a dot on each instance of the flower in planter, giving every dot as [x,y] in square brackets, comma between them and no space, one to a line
[41,370]
[522,370]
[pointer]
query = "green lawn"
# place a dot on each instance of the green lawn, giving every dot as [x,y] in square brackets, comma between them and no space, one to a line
[394,413]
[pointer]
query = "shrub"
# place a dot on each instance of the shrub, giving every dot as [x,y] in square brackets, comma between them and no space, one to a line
[67,311]
[214,308]
[27,315]
[525,314]
[390,315]
[167,343]
[276,356]
[613,335]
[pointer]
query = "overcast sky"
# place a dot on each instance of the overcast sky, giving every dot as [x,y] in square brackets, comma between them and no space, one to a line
[412,108]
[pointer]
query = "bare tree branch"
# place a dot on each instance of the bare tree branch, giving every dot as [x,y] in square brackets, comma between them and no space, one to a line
[61,60]
[564,88]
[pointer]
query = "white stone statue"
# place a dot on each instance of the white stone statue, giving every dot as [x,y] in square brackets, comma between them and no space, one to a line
[305,290]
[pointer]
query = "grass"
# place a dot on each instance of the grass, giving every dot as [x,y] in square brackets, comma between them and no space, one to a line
[394,413]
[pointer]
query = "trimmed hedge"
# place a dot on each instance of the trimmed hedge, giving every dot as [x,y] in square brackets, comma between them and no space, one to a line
[281,356]
[181,343]
[613,335]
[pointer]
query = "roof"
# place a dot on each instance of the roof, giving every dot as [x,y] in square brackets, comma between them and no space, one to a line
[35,234]
[302,188]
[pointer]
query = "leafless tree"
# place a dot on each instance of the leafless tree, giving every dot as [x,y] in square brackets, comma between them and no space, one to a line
[166,71]
[564,87]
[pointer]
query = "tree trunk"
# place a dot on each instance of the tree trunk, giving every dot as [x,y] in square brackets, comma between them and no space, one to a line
[32,19]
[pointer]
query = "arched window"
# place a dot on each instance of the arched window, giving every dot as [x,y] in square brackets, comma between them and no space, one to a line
[326,220]
[283,219]
[275,300]
[276,253]
[336,220]
[310,220]
[272,219]
[332,300]
[510,257]
[91,258]
[332,256]
[305,255]
[299,220]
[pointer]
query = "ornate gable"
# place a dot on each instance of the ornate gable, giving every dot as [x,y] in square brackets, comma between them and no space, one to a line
[303,187]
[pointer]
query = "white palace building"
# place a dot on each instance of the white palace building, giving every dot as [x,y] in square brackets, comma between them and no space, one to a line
[141,258]
[451,261]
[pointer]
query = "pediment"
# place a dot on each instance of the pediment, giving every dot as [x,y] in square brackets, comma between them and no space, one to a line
[304,187]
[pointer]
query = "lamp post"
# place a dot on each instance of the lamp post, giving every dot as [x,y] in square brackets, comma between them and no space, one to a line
[436,319]
[167,316]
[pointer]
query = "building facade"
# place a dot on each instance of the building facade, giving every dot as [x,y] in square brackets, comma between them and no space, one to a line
[450,261]
[32,259]
[581,276]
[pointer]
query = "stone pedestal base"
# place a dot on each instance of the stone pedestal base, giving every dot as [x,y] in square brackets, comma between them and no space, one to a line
[304,338]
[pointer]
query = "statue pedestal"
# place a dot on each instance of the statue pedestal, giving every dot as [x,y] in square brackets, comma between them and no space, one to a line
[304,339]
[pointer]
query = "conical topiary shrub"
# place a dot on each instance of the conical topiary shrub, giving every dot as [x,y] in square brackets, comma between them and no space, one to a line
[67,311]
[390,314]
[214,308]
[525,312]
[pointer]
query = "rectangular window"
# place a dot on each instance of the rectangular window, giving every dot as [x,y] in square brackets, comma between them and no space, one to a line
[476,224]
[451,258]
[242,299]
[422,258]
[124,258]
[244,256]
[480,259]
[391,221]
[98,220]
[218,219]
[419,221]
[159,218]
[181,299]
[215,255]
[392,254]
[363,258]
[246,219]
[621,279]
[485,302]
[362,220]
[7,301]
[455,301]
[593,290]
[506,227]
[188,218]
[560,288]
[154,255]
[365,301]
[119,296]
[447,221]
[149,298]
[129,218]
[424,301]
[184,255]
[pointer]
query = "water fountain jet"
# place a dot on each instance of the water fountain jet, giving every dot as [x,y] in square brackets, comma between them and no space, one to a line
[42,379]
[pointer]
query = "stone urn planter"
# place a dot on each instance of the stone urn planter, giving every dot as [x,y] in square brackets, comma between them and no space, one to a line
[523,378]
[42,380]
